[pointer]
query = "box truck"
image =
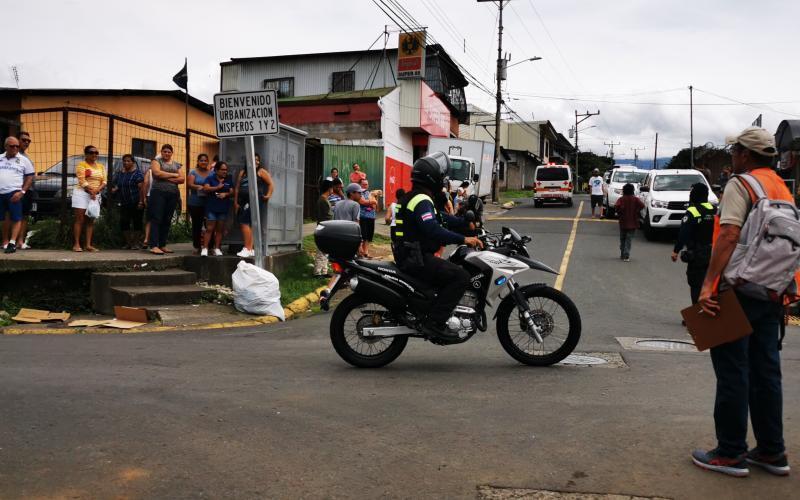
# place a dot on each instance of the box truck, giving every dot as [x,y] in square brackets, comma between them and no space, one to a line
[470,161]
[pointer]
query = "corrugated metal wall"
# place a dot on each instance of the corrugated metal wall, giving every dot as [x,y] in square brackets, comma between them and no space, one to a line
[369,158]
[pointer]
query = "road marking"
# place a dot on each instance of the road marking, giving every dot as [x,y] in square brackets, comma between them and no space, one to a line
[562,271]
[570,219]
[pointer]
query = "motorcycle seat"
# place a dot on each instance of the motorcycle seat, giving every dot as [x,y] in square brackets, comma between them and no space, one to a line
[390,268]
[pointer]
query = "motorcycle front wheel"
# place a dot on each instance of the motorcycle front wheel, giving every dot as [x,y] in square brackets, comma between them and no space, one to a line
[553,312]
[347,323]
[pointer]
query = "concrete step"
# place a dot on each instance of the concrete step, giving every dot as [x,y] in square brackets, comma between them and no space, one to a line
[147,296]
[147,278]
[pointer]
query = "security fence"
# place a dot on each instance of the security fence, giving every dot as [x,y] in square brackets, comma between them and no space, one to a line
[60,135]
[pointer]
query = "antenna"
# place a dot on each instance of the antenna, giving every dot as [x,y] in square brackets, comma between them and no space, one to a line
[15,74]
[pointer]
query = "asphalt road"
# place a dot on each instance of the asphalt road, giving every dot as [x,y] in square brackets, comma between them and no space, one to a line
[274,413]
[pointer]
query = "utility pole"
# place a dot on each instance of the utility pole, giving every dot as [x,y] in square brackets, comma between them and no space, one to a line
[655,154]
[691,126]
[636,155]
[611,148]
[584,117]
[501,62]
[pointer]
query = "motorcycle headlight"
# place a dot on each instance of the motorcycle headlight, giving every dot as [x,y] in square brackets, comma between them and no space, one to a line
[659,204]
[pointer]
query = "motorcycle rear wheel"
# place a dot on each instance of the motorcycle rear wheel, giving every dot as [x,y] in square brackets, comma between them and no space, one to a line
[549,308]
[349,317]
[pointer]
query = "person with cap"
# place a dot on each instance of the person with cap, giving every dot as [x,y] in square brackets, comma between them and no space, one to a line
[597,188]
[697,229]
[748,370]
[418,234]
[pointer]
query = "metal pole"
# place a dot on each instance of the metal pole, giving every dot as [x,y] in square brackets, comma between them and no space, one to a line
[255,202]
[110,166]
[577,154]
[691,127]
[64,162]
[499,99]
[655,154]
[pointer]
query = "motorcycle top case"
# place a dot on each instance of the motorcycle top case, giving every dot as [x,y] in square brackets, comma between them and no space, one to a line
[338,238]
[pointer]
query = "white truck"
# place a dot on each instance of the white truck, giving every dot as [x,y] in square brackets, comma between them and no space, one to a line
[470,161]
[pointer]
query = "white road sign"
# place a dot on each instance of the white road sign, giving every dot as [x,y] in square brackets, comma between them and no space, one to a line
[239,114]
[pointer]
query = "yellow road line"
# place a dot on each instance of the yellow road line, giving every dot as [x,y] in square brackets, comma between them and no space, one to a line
[562,271]
[566,219]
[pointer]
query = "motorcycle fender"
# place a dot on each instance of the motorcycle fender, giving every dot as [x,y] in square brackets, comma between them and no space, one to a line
[535,264]
[510,296]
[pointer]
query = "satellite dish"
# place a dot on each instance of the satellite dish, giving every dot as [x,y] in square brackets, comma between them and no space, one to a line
[709,145]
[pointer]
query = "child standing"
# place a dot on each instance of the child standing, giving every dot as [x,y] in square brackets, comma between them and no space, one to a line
[628,208]
[218,188]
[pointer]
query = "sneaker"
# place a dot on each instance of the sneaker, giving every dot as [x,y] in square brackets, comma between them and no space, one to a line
[243,253]
[218,252]
[774,464]
[204,252]
[25,246]
[251,253]
[626,259]
[713,461]
[11,247]
[323,299]
[5,245]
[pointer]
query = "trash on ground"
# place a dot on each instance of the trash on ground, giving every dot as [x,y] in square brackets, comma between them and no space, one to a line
[39,316]
[125,318]
[256,291]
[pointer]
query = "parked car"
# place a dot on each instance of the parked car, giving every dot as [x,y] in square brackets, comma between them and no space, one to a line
[665,194]
[552,183]
[47,185]
[619,177]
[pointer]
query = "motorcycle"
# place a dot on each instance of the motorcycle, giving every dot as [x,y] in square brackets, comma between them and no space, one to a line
[536,324]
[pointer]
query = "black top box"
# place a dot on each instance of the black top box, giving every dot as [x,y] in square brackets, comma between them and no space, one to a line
[339,239]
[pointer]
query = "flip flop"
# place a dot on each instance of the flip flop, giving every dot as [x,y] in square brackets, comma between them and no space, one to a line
[167,250]
[77,249]
[156,251]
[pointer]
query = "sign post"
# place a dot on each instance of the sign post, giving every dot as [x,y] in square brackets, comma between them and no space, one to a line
[247,114]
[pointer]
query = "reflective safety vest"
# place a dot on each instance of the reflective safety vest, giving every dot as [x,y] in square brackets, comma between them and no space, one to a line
[775,189]
[405,228]
[703,228]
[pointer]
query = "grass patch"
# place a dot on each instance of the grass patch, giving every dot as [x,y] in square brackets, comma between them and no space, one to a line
[298,280]
[514,194]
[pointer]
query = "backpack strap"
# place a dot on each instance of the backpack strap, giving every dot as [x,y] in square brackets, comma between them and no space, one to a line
[753,187]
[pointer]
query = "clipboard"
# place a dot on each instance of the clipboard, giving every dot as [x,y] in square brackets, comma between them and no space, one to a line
[728,325]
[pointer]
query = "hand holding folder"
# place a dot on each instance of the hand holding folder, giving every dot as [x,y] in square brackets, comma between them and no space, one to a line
[728,325]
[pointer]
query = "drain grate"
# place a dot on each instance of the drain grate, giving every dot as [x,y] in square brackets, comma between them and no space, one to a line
[657,345]
[499,493]
[594,359]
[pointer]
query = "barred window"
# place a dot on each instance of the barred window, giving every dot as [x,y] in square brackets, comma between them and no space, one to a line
[343,81]
[283,86]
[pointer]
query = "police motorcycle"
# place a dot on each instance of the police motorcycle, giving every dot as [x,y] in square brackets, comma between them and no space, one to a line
[536,324]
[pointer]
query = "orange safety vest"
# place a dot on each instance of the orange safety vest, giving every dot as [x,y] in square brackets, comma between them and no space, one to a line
[775,189]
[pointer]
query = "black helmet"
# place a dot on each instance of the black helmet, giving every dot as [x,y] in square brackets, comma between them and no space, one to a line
[430,171]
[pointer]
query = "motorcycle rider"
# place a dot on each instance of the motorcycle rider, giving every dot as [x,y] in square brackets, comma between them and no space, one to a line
[418,234]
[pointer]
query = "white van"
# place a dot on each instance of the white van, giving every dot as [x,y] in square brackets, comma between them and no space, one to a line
[552,183]
[619,177]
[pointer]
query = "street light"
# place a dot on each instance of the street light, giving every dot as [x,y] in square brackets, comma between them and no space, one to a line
[537,58]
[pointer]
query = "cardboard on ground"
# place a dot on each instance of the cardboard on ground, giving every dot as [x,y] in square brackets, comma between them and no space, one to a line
[126,318]
[39,316]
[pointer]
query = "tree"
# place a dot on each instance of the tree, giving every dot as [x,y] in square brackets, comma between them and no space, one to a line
[681,160]
[590,161]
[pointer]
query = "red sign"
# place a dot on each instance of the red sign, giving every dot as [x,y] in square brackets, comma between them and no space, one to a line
[434,117]
[411,55]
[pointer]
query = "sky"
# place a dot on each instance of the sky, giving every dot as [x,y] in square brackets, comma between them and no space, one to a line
[632,60]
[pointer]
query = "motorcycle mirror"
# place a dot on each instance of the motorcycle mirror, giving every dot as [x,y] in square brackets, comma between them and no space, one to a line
[476,178]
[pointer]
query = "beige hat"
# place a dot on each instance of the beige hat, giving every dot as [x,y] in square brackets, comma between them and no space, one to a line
[755,139]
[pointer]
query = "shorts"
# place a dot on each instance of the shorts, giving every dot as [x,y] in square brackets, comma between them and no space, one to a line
[81,199]
[596,200]
[215,216]
[367,229]
[14,209]
[27,203]
[244,216]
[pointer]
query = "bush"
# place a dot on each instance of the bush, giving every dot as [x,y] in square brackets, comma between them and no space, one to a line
[49,234]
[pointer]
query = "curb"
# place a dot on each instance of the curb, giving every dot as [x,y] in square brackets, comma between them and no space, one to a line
[291,311]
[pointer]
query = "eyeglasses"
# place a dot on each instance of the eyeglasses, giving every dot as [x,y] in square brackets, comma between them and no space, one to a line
[93,152]
[13,146]
[25,140]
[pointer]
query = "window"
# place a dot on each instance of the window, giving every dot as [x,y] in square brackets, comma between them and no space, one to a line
[623,176]
[676,182]
[552,174]
[501,174]
[283,86]
[343,81]
[143,148]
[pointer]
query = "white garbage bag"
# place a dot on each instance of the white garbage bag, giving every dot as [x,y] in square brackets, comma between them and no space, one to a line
[256,291]
[93,209]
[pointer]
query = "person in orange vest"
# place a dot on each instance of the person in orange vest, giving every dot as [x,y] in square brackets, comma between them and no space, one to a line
[748,370]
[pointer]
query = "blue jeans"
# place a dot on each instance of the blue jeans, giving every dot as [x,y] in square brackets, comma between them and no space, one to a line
[749,376]
[160,211]
[625,240]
